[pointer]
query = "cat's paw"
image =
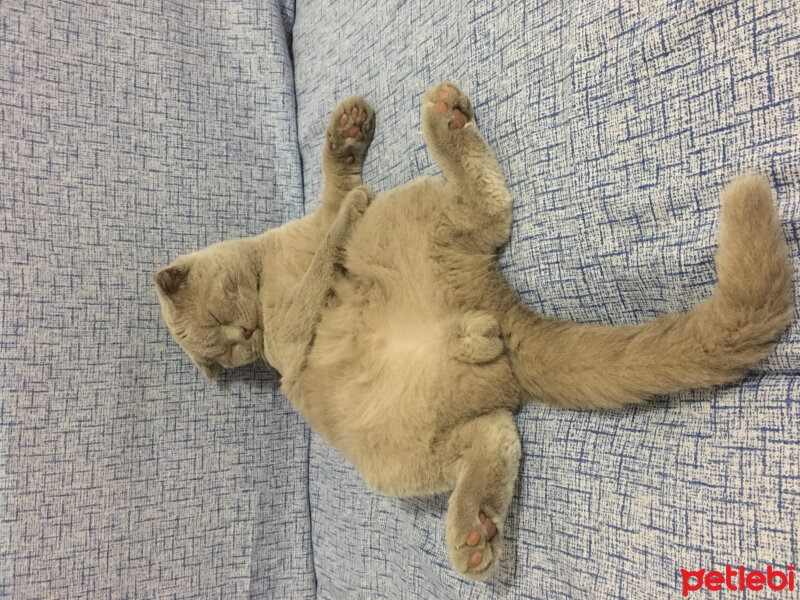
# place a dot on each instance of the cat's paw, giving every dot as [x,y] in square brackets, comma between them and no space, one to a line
[350,130]
[445,107]
[474,545]
[357,201]
[353,208]
[476,338]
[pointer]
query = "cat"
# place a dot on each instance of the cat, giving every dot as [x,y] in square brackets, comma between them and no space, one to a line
[399,340]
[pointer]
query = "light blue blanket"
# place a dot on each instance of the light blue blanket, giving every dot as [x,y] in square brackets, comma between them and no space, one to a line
[131,132]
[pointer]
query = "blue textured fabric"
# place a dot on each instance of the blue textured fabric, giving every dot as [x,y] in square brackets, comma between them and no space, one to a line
[130,133]
[617,123]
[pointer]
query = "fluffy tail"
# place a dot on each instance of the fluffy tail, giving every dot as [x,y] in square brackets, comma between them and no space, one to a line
[596,366]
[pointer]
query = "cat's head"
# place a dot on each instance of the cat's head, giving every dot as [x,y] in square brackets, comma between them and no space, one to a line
[209,301]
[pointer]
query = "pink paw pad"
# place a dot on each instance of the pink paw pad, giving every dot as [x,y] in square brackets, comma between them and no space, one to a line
[475,560]
[353,132]
[448,95]
[349,131]
[458,121]
[474,538]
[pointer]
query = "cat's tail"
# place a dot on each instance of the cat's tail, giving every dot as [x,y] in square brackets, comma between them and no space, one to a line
[595,366]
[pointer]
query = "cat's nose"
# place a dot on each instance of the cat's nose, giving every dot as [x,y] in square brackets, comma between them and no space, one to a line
[246,333]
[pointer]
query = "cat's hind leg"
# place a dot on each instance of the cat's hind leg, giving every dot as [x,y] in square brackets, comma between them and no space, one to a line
[482,458]
[347,139]
[482,213]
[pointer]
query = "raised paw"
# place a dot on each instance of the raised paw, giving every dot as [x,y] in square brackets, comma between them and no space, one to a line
[350,130]
[476,546]
[445,106]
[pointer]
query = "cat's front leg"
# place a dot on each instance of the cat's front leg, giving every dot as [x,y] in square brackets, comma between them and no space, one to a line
[289,329]
[347,139]
[483,206]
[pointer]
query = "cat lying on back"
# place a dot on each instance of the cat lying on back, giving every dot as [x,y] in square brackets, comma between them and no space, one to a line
[400,342]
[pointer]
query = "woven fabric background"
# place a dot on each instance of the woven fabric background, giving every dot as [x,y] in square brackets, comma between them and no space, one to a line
[134,131]
[130,133]
[617,123]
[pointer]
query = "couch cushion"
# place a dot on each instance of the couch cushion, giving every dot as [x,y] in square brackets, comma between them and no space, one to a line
[616,124]
[131,133]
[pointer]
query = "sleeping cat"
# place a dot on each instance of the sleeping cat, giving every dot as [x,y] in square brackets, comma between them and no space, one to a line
[400,342]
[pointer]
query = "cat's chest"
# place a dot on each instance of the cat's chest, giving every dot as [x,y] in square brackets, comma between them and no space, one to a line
[401,253]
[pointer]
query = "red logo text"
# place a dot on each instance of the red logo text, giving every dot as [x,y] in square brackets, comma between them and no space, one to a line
[738,579]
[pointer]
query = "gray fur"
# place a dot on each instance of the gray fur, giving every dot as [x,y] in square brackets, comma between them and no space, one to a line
[403,346]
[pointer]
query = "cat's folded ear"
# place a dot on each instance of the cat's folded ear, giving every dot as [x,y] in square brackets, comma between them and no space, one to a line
[170,279]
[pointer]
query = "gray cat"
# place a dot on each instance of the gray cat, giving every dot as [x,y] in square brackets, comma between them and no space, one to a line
[400,342]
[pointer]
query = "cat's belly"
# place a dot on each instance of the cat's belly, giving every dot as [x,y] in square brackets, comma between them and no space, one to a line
[383,386]
[384,389]
[380,363]
[382,381]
